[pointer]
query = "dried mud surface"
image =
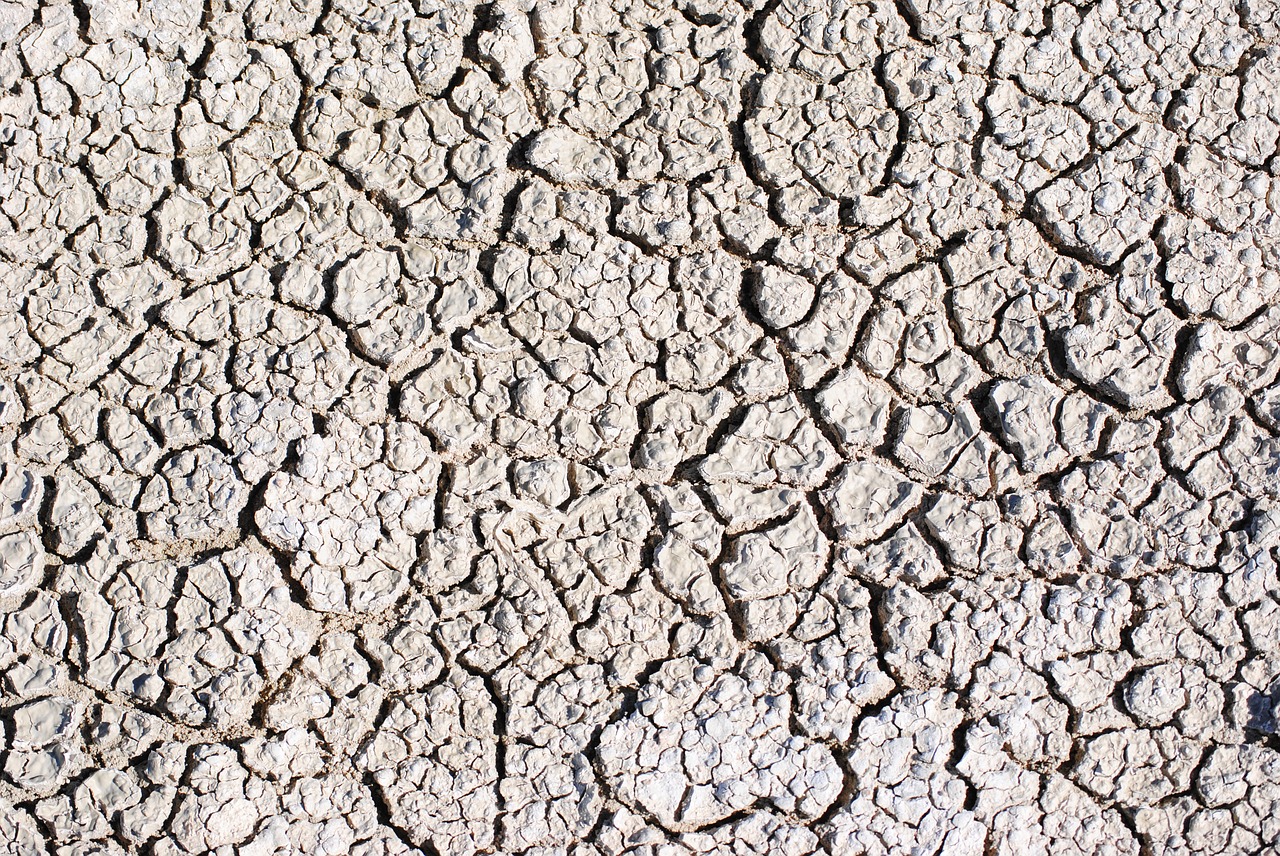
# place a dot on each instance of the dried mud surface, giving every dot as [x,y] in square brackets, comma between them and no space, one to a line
[669,427]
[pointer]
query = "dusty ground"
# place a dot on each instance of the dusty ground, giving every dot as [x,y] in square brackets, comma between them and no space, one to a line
[547,427]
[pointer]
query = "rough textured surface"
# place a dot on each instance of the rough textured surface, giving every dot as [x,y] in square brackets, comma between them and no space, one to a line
[547,428]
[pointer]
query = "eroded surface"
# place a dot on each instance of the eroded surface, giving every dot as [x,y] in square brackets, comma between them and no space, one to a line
[600,428]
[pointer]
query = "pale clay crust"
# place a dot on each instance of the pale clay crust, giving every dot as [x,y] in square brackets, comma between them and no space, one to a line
[557,428]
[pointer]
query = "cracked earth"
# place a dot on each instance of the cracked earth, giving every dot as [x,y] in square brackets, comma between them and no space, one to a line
[803,427]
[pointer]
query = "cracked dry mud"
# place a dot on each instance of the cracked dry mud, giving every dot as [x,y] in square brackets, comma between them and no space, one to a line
[669,427]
